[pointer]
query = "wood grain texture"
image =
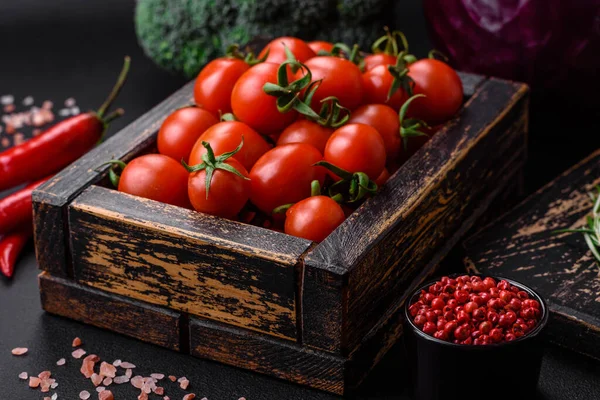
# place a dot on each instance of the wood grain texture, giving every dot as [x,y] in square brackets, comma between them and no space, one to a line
[142,321]
[191,262]
[388,240]
[51,198]
[520,245]
[265,355]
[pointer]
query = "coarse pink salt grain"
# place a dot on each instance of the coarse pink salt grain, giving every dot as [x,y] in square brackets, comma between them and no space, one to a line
[34,381]
[137,382]
[121,379]
[84,395]
[70,102]
[159,391]
[5,142]
[44,375]
[166,398]
[158,376]
[106,395]
[45,385]
[127,365]
[19,351]
[78,353]
[100,389]
[62,361]
[87,368]
[242,398]
[47,104]
[117,363]
[128,372]
[107,381]
[54,385]
[108,370]
[143,396]
[76,342]
[55,396]
[172,378]
[9,108]
[36,132]
[189,396]
[18,139]
[96,379]
[23,375]
[47,398]
[184,384]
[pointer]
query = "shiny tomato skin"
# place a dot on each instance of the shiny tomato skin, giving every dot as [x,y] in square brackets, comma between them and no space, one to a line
[305,131]
[156,177]
[314,218]
[214,84]
[180,131]
[386,121]
[227,195]
[299,48]
[373,60]
[442,86]
[341,78]
[383,177]
[377,83]
[226,136]
[283,175]
[318,45]
[356,148]
[253,106]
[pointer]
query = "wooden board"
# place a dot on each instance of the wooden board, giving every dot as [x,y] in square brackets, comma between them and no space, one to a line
[191,262]
[155,325]
[521,245]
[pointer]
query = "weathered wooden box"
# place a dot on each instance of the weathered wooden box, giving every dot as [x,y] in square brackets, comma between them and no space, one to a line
[317,314]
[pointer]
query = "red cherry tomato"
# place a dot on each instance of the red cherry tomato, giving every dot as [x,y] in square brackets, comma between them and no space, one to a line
[180,131]
[385,120]
[383,177]
[228,192]
[256,108]
[319,45]
[215,83]
[314,218]
[373,60]
[340,78]
[442,86]
[156,177]
[377,83]
[283,175]
[305,131]
[357,148]
[226,136]
[298,47]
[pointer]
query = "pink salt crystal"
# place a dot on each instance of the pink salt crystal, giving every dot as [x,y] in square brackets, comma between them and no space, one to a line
[23,375]
[44,375]
[47,105]
[45,385]
[10,129]
[38,119]
[121,379]
[78,353]
[143,396]
[106,395]
[76,342]
[18,139]
[34,382]
[183,378]
[172,378]
[184,384]
[96,379]
[137,382]
[242,398]
[5,142]
[166,398]
[108,370]
[87,368]
[100,389]
[55,396]
[157,376]
[84,395]
[128,372]
[127,365]
[36,132]
[189,396]
[9,108]
[54,385]
[159,391]
[19,351]
[107,381]
[70,102]
[62,361]
[47,398]
[92,358]
[117,363]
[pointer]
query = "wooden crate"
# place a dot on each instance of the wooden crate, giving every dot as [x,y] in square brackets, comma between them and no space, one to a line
[317,314]
[521,245]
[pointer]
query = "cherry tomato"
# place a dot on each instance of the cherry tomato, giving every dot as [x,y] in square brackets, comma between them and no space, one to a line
[226,136]
[215,83]
[180,131]
[256,108]
[357,148]
[377,83]
[298,47]
[305,131]
[314,218]
[385,120]
[442,86]
[319,45]
[228,192]
[373,60]
[283,175]
[156,177]
[383,177]
[340,78]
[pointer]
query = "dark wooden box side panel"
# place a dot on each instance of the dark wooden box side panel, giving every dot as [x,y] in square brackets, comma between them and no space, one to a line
[166,261]
[383,250]
[51,199]
[150,324]
[273,357]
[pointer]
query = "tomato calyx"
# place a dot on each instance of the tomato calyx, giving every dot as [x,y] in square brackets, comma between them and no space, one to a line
[112,174]
[289,94]
[410,127]
[390,41]
[352,54]
[352,188]
[210,163]
[227,117]
[331,113]
[315,190]
[400,73]
[437,55]
[233,51]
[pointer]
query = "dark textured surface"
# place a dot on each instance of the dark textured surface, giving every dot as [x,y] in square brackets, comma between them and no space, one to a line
[62,48]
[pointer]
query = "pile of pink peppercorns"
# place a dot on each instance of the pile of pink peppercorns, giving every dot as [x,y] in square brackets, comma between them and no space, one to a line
[471,310]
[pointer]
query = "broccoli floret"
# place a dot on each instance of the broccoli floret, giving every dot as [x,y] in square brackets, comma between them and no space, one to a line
[183,35]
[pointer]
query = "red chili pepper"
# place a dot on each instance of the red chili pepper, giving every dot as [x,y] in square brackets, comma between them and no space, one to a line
[60,145]
[10,248]
[15,209]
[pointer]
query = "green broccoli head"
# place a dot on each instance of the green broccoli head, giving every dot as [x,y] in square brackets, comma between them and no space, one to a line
[183,35]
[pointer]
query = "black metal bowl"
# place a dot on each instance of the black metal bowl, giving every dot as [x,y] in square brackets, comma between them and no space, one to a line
[444,370]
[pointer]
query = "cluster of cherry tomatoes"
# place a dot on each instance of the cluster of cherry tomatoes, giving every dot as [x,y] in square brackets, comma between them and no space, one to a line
[269,132]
